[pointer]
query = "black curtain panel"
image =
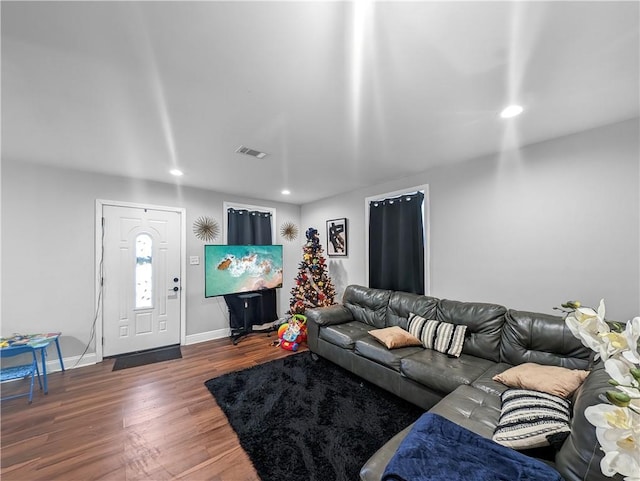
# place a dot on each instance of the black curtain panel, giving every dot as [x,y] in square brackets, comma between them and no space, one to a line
[248,227]
[396,243]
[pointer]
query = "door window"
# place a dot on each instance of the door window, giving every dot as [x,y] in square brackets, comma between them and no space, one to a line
[144,271]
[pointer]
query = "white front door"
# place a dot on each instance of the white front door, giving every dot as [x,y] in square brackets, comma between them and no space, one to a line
[141,272]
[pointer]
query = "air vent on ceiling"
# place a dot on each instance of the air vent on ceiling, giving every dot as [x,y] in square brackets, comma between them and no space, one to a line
[247,151]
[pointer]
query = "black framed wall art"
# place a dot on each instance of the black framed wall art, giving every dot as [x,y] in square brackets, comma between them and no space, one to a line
[337,238]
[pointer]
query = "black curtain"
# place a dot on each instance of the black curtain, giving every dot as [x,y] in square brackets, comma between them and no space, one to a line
[247,227]
[396,243]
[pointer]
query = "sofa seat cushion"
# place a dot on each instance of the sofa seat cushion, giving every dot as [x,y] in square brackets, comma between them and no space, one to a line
[345,335]
[486,383]
[372,349]
[471,408]
[440,372]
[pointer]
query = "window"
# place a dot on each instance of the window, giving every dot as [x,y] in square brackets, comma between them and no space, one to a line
[144,271]
[240,207]
[397,240]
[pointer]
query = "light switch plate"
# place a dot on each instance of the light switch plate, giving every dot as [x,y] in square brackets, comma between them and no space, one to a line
[194,260]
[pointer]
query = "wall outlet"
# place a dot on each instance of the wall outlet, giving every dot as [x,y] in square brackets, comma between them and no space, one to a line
[194,260]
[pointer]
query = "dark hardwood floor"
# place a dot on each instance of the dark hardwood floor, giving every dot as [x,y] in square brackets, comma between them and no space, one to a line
[154,422]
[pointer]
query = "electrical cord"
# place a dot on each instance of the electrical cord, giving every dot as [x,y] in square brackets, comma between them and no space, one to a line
[92,333]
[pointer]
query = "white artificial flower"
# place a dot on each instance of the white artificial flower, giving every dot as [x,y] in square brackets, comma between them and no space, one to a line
[618,369]
[613,343]
[591,320]
[615,462]
[588,326]
[608,416]
[618,432]
[609,459]
[617,428]
[632,334]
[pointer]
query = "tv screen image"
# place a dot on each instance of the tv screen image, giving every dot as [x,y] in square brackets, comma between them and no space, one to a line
[234,269]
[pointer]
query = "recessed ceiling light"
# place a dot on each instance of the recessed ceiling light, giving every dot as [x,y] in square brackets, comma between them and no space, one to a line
[511,111]
[176,172]
[285,192]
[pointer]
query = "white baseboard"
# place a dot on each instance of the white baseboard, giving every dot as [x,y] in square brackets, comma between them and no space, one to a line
[53,365]
[207,336]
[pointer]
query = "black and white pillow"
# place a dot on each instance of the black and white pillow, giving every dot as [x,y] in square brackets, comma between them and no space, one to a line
[439,336]
[532,419]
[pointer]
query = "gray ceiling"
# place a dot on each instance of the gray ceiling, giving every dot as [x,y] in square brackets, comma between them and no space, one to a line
[340,94]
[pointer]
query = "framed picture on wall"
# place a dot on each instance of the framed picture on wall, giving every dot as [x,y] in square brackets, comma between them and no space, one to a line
[337,237]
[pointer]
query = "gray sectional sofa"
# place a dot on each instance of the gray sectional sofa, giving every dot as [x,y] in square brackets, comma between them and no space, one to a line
[459,389]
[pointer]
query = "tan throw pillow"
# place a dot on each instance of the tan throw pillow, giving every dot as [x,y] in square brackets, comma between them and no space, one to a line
[556,380]
[394,337]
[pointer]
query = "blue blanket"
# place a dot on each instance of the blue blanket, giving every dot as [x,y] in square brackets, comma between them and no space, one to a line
[437,449]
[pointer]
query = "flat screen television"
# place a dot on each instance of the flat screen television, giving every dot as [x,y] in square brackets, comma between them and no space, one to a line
[237,269]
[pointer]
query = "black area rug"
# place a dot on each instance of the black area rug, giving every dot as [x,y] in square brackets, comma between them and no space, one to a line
[147,357]
[305,420]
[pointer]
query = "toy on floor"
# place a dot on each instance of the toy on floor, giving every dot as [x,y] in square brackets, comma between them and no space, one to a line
[292,333]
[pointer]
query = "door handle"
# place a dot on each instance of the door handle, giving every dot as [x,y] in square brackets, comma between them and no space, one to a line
[174,289]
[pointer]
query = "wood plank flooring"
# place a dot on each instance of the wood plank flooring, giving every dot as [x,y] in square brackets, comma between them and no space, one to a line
[154,422]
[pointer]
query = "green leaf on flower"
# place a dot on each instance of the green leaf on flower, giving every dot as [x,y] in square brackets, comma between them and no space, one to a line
[615,326]
[619,399]
[571,304]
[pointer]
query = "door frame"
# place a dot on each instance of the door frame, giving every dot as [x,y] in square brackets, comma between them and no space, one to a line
[98,301]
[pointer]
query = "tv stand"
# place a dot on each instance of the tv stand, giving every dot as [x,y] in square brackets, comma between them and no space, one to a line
[246,330]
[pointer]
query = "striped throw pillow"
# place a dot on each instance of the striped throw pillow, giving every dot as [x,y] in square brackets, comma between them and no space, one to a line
[532,419]
[439,336]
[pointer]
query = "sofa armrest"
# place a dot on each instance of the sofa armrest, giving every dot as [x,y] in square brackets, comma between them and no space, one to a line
[375,466]
[329,316]
[580,455]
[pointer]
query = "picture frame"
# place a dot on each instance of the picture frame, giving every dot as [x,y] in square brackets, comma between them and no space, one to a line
[337,237]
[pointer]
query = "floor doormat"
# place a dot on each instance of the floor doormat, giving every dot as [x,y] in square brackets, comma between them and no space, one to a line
[305,420]
[147,357]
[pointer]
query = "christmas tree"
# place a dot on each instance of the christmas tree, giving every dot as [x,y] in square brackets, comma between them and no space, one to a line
[313,286]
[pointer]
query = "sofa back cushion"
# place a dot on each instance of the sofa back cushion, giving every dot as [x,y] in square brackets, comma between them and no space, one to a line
[367,305]
[483,321]
[542,339]
[401,304]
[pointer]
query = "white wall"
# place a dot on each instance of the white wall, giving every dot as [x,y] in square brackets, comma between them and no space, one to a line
[554,221]
[530,229]
[48,271]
